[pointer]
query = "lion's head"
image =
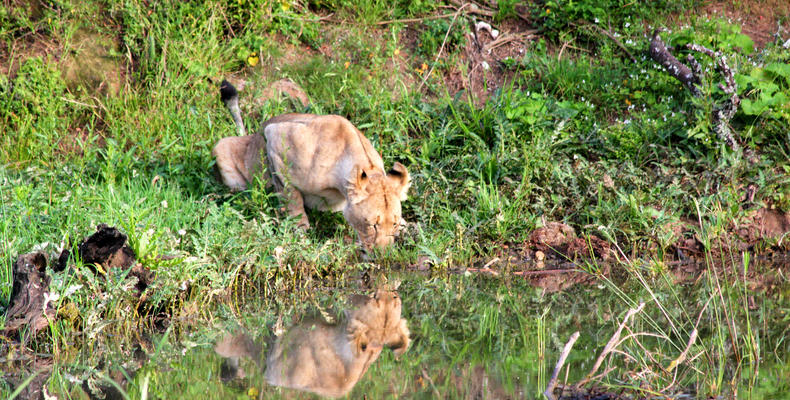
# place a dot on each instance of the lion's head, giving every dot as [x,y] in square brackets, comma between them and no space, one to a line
[373,208]
[376,322]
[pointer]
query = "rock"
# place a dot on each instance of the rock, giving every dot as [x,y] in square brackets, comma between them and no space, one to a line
[287,87]
[553,235]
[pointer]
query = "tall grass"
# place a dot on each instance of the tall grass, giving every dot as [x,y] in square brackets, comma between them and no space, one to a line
[611,146]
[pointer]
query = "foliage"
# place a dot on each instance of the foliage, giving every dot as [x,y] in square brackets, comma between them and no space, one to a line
[610,145]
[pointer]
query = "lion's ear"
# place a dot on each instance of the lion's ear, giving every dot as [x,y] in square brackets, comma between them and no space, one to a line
[399,339]
[357,184]
[400,176]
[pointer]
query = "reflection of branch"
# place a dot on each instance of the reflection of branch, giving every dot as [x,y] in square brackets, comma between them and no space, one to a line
[611,345]
[549,393]
[690,77]
[684,354]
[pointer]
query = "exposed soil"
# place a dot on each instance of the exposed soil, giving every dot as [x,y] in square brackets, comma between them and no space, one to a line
[480,71]
[761,20]
[483,55]
[93,63]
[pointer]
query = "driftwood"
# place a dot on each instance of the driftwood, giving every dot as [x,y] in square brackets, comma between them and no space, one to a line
[690,77]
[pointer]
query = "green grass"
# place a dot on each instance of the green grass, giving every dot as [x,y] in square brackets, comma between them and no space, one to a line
[611,146]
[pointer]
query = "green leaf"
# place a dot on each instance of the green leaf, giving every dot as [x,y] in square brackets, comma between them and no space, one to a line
[780,69]
[751,107]
[744,42]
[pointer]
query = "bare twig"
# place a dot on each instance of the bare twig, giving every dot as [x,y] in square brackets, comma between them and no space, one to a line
[411,20]
[549,393]
[611,344]
[473,8]
[546,272]
[77,102]
[436,59]
[433,386]
[613,38]
[504,39]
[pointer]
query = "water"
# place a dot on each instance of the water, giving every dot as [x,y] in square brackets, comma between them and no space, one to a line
[470,336]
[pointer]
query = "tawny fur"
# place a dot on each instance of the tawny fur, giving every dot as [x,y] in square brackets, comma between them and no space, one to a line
[322,162]
[327,359]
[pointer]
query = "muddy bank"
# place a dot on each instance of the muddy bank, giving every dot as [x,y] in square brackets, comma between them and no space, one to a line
[554,257]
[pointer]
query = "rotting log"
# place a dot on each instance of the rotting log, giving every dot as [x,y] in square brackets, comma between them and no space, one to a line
[29,306]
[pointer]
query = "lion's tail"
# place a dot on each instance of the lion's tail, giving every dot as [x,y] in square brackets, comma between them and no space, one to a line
[230,96]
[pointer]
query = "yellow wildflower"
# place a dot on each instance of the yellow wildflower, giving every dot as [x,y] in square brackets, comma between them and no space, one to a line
[252,59]
[347,64]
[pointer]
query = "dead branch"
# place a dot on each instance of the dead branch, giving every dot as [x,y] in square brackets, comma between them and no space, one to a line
[549,393]
[723,113]
[473,8]
[611,345]
[518,37]
[412,20]
[690,77]
[661,55]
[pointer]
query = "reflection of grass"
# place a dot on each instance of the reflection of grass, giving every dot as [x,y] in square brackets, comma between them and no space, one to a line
[587,139]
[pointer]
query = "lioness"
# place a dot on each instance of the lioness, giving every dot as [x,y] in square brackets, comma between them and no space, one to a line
[327,359]
[322,161]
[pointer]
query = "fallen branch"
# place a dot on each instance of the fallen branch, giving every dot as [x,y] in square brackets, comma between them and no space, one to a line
[611,345]
[518,37]
[473,8]
[412,20]
[690,77]
[660,54]
[549,393]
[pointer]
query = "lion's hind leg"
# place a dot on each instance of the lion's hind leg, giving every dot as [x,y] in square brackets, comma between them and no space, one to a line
[229,153]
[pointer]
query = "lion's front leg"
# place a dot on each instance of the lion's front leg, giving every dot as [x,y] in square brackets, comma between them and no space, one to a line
[295,205]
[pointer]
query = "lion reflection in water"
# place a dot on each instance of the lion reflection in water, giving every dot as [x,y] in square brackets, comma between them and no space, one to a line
[327,359]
